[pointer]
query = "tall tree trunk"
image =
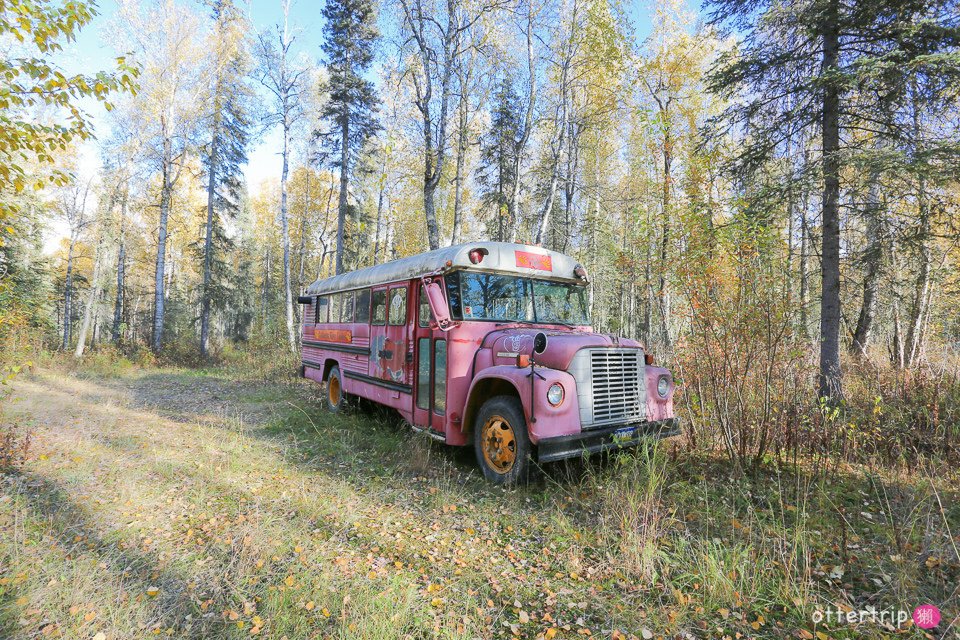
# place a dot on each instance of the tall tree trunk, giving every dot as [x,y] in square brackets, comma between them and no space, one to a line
[121,268]
[92,295]
[208,240]
[165,196]
[663,290]
[285,231]
[265,293]
[344,187]
[461,158]
[559,144]
[302,248]
[872,258]
[513,223]
[804,267]
[380,199]
[918,309]
[68,291]
[543,225]
[830,375]
[431,177]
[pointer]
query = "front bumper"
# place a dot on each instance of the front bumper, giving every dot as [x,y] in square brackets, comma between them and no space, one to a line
[594,441]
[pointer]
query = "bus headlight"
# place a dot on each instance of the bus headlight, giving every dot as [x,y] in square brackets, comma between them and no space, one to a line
[555,394]
[663,386]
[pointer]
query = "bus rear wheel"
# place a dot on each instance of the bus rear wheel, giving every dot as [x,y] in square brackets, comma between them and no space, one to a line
[336,398]
[500,440]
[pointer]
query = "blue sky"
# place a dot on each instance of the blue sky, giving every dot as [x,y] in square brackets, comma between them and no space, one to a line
[92,51]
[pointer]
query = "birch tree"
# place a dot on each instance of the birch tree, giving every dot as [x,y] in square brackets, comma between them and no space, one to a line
[284,78]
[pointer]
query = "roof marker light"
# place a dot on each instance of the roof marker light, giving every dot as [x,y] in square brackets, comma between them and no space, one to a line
[476,255]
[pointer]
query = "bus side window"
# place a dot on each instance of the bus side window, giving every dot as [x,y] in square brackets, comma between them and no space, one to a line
[423,373]
[379,307]
[424,310]
[363,306]
[452,280]
[336,303]
[347,307]
[440,376]
[321,309]
[398,306]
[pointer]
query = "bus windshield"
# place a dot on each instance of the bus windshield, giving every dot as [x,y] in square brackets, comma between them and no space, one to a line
[489,296]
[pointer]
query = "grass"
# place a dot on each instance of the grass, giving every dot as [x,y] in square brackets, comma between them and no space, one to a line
[193,504]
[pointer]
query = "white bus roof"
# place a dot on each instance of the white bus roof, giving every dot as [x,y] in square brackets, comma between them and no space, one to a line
[501,257]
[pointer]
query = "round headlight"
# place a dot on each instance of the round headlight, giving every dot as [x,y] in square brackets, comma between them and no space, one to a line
[663,386]
[555,394]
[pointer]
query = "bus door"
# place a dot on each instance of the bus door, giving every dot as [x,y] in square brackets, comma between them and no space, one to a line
[391,354]
[430,382]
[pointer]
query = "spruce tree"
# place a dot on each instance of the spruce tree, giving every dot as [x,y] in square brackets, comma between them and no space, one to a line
[225,154]
[498,149]
[817,69]
[350,111]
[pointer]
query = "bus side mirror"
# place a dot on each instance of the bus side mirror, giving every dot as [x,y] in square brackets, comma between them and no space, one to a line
[438,304]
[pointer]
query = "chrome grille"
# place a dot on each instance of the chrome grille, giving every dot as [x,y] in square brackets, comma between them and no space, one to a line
[610,386]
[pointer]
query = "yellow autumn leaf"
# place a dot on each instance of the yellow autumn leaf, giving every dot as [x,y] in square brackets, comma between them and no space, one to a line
[289,581]
[550,633]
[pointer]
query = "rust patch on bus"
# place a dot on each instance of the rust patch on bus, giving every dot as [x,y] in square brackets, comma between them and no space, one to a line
[333,335]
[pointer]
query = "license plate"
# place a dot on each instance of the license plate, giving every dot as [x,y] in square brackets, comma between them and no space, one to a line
[626,433]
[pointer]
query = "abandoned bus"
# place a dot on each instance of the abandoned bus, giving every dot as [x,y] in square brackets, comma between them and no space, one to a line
[488,344]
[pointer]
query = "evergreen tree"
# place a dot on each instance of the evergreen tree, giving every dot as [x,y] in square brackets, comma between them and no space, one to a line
[813,68]
[350,112]
[225,154]
[498,150]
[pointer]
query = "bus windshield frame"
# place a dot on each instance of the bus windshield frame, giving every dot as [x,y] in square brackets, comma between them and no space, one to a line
[515,298]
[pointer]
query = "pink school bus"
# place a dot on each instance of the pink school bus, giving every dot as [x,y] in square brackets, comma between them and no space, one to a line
[489,344]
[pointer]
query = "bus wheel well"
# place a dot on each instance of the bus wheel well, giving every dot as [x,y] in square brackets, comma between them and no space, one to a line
[483,391]
[327,366]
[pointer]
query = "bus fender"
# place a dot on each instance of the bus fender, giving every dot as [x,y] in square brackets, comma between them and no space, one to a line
[550,421]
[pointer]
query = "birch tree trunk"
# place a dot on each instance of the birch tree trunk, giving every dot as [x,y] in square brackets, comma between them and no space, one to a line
[92,295]
[461,153]
[872,258]
[513,223]
[165,197]
[285,232]
[68,292]
[121,268]
[918,309]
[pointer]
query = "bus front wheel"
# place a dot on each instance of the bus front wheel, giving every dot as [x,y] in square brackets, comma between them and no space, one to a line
[500,440]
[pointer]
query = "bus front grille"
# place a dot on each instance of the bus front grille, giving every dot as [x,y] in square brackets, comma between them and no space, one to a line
[610,386]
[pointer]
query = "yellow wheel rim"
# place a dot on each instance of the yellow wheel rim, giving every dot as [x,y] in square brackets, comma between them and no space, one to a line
[333,390]
[499,444]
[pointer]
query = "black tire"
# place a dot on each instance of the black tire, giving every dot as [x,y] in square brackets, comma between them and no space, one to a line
[336,397]
[501,442]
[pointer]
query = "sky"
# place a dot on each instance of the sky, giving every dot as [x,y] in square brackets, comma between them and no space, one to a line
[92,51]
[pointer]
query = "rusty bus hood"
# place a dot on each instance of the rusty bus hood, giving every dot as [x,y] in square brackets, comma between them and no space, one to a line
[562,344]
